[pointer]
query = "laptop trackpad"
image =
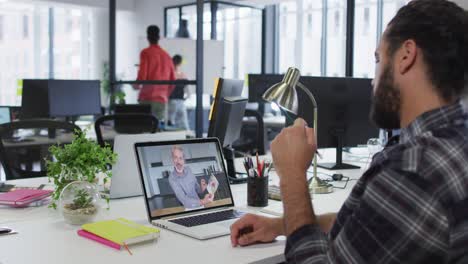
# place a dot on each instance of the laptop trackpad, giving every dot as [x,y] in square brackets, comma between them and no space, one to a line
[227,223]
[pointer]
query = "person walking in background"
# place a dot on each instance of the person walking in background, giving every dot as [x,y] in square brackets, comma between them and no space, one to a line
[177,110]
[155,64]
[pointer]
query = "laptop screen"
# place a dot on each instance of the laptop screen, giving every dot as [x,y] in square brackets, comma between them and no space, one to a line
[181,176]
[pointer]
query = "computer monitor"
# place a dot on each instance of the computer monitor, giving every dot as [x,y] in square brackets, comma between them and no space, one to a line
[71,98]
[259,83]
[5,115]
[343,113]
[132,108]
[35,99]
[225,117]
[343,110]
[223,88]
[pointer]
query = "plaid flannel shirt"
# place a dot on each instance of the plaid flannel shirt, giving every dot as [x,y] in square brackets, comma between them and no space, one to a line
[410,206]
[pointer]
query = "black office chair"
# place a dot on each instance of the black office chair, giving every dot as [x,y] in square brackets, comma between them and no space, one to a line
[23,146]
[131,123]
[247,144]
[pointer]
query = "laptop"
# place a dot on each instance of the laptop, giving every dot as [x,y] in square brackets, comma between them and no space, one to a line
[125,180]
[173,174]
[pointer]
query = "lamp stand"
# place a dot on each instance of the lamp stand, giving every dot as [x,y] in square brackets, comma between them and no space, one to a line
[317,186]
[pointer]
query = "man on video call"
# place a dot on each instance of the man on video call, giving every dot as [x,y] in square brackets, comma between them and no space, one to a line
[185,184]
[411,205]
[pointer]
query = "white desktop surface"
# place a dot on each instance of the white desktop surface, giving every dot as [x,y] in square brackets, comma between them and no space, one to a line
[43,237]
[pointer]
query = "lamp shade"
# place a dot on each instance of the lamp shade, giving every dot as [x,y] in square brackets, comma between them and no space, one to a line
[284,93]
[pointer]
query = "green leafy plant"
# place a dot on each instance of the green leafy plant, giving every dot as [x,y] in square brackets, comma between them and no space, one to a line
[79,161]
[82,200]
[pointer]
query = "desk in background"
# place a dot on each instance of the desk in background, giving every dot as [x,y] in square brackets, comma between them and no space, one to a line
[43,235]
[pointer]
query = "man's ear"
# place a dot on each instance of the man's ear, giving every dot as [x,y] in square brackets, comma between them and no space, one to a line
[406,56]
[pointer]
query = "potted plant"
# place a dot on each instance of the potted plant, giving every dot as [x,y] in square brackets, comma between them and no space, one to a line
[79,202]
[82,160]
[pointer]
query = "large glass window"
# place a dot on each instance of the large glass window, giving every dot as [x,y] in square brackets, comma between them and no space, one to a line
[24,49]
[367,34]
[336,38]
[302,35]
[72,44]
[365,38]
[239,27]
[25,45]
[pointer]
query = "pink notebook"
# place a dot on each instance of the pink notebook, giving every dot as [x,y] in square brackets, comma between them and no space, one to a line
[99,239]
[23,197]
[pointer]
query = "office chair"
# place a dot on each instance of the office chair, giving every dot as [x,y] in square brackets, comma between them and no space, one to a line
[245,143]
[131,123]
[23,146]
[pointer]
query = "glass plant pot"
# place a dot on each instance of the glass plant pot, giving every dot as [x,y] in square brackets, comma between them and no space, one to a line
[79,202]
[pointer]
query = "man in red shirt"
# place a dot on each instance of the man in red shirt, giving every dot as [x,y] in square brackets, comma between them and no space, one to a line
[155,64]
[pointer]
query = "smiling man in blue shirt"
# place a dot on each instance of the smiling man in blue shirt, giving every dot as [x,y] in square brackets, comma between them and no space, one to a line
[185,184]
[410,206]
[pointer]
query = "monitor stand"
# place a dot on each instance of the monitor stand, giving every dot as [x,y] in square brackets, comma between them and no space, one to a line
[231,168]
[338,165]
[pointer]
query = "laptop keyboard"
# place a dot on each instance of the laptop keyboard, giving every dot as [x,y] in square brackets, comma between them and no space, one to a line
[203,219]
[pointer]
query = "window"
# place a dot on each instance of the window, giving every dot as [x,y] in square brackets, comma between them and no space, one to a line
[71,43]
[365,38]
[321,24]
[336,41]
[25,26]
[26,53]
[366,33]
[2,22]
[239,27]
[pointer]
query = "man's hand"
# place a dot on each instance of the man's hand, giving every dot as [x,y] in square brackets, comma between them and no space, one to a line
[203,185]
[293,150]
[208,199]
[254,228]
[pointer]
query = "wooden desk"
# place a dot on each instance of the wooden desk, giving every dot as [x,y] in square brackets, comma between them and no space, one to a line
[44,237]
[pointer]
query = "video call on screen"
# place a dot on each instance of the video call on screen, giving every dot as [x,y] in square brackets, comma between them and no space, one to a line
[174,176]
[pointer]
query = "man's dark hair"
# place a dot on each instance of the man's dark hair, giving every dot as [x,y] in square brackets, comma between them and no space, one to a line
[440,30]
[177,59]
[152,33]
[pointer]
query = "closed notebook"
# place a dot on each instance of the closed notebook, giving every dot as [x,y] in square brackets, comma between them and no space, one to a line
[23,196]
[122,231]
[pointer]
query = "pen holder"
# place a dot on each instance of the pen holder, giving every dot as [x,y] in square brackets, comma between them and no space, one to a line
[257,191]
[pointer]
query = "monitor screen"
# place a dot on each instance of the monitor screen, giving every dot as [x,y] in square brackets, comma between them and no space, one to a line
[5,116]
[259,83]
[227,128]
[179,177]
[74,97]
[224,88]
[343,110]
[35,99]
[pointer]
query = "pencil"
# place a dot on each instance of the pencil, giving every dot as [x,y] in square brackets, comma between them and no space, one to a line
[126,247]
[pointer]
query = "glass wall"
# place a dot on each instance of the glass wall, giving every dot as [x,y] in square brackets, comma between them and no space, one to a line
[239,27]
[25,49]
[312,36]
[367,34]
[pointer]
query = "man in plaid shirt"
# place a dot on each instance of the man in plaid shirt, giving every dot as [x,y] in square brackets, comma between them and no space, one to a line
[411,205]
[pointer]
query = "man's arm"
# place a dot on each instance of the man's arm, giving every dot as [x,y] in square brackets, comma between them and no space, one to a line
[186,201]
[398,220]
[142,69]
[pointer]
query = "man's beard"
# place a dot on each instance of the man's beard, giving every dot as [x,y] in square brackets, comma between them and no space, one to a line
[386,102]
